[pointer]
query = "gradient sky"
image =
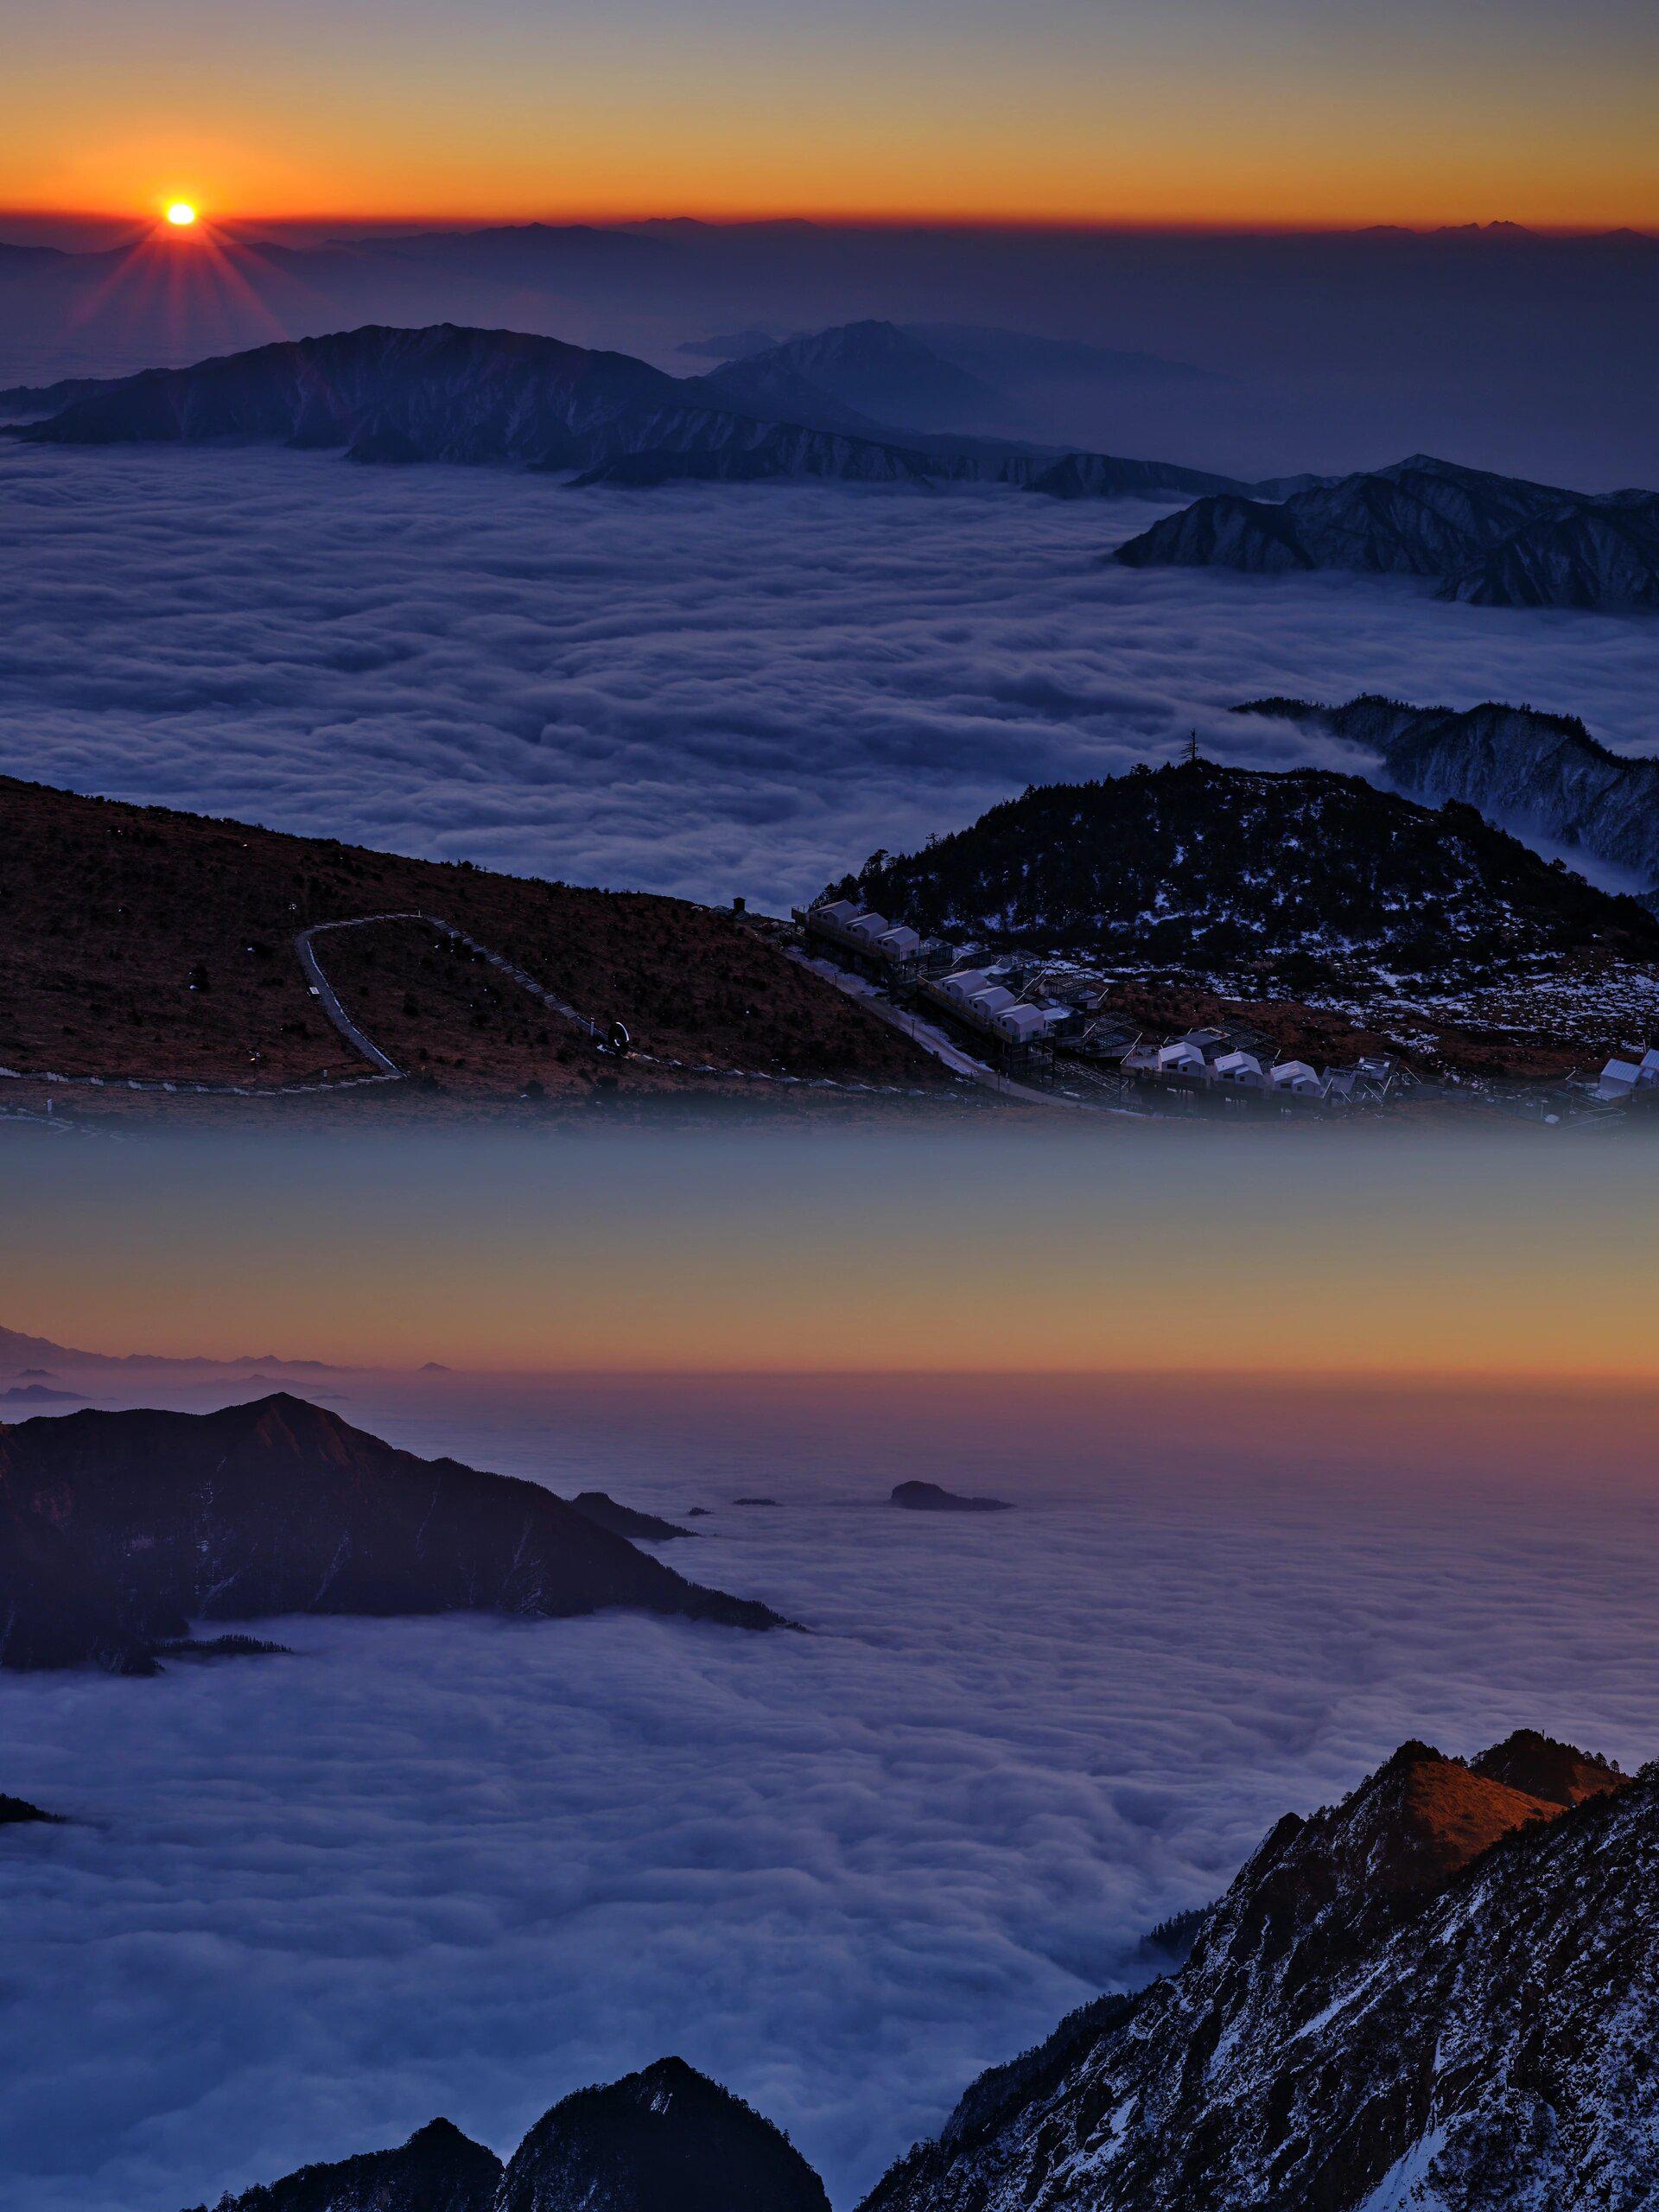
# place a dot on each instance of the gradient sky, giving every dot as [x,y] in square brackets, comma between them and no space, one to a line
[1515,1257]
[1183,110]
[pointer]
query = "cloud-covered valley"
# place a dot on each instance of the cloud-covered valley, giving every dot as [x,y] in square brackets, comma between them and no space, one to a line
[461,1866]
[698,690]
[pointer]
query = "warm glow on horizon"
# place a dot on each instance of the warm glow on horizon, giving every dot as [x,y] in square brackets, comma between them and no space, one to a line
[181,215]
[1291,113]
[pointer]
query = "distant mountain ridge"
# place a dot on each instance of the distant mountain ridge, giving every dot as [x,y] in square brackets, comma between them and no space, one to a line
[118,1530]
[1494,541]
[452,394]
[1436,1996]
[1539,774]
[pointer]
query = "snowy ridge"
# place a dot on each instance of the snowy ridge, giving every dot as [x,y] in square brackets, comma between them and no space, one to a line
[1439,1996]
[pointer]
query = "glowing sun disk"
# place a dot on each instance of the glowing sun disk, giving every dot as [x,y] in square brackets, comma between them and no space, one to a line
[182,214]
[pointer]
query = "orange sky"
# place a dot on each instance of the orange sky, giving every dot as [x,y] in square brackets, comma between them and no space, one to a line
[1162,110]
[1150,1253]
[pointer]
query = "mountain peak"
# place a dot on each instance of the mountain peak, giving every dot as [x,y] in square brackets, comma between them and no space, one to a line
[1559,1774]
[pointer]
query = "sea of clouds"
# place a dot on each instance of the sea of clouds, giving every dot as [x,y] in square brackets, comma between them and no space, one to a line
[464,1866]
[699,689]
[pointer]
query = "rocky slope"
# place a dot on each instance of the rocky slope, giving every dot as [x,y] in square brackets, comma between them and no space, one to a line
[1200,863]
[438,2170]
[1538,775]
[120,1529]
[1441,1993]
[666,2140]
[1495,540]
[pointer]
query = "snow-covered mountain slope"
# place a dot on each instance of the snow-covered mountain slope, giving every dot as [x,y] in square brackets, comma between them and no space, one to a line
[1441,1994]
[1497,540]
[1538,775]
[1207,865]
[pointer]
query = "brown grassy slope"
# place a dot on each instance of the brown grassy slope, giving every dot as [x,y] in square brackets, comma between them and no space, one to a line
[135,941]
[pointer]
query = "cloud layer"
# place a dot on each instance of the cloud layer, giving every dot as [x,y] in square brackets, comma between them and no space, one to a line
[700,689]
[463,1867]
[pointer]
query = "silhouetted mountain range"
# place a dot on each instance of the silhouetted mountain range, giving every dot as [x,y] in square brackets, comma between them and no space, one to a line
[1538,774]
[666,2140]
[449,394]
[1200,863]
[1439,1993]
[120,1529]
[1496,541]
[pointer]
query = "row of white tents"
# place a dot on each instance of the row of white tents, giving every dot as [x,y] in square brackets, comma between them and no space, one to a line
[1621,1078]
[971,994]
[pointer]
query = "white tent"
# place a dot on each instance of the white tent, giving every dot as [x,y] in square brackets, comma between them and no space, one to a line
[1183,1057]
[1297,1077]
[1242,1068]
[901,942]
[965,986]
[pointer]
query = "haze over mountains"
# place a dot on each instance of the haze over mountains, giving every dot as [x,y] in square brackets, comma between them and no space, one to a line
[1514,351]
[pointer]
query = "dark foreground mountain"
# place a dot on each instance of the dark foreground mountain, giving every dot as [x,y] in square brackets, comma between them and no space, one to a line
[1441,1993]
[666,2140]
[933,1498]
[120,1529]
[1496,541]
[1198,863]
[438,2170]
[1540,775]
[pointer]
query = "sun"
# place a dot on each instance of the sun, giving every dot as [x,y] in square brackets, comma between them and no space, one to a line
[181,213]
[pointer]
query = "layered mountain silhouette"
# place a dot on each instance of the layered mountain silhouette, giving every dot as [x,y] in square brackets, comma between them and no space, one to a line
[1496,541]
[120,1529]
[1197,862]
[1440,1993]
[666,2140]
[448,393]
[1540,775]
